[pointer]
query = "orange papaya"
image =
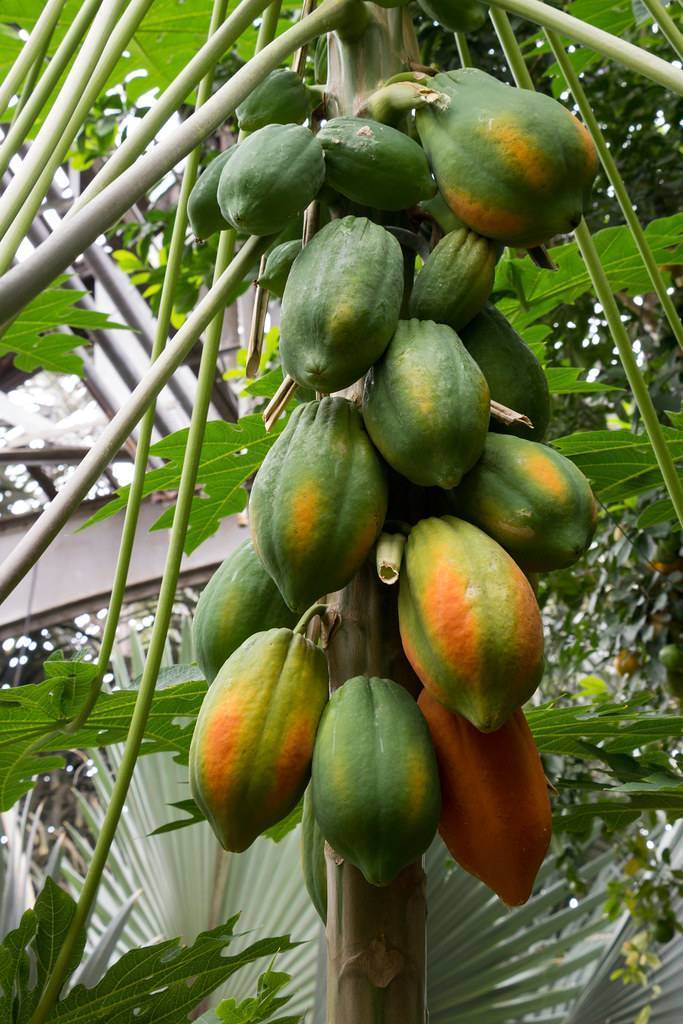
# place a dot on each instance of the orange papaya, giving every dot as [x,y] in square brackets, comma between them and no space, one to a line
[252,746]
[536,503]
[469,621]
[512,164]
[496,818]
[318,501]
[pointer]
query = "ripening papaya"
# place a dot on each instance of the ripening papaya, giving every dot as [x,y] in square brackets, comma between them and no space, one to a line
[341,304]
[203,210]
[426,405]
[512,164]
[456,15]
[278,265]
[250,756]
[273,176]
[375,783]
[281,98]
[496,818]
[536,503]
[313,864]
[240,599]
[318,501]
[375,165]
[456,280]
[470,624]
[513,373]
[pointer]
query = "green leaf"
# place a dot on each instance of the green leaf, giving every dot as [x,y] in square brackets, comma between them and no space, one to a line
[231,453]
[282,828]
[618,463]
[260,1009]
[33,339]
[564,380]
[193,817]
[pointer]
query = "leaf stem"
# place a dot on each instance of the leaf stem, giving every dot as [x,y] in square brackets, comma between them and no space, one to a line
[42,30]
[310,613]
[463,50]
[612,171]
[667,25]
[606,298]
[597,39]
[26,280]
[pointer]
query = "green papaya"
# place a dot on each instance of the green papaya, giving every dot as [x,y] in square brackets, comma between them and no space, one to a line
[671,657]
[251,750]
[375,165]
[278,265]
[341,304]
[426,405]
[375,780]
[240,599]
[274,175]
[514,375]
[456,280]
[512,164]
[536,503]
[318,501]
[281,98]
[203,210]
[456,15]
[313,864]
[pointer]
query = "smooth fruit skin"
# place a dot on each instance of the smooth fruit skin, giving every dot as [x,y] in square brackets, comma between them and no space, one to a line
[318,501]
[496,818]
[313,864]
[274,175]
[469,621]
[456,280]
[203,210]
[513,165]
[341,304]
[251,750]
[514,375]
[536,503]
[375,165]
[375,782]
[278,265]
[239,600]
[281,98]
[426,405]
[455,15]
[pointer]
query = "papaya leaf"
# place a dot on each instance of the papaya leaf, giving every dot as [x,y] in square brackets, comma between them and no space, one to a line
[158,984]
[260,1009]
[282,828]
[564,380]
[33,337]
[193,817]
[230,454]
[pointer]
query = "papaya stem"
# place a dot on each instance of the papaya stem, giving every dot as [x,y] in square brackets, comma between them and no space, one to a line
[279,401]
[389,555]
[257,326]
[509,416]
[310,613]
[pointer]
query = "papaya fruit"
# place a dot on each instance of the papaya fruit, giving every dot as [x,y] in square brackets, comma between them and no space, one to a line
[455,15]
[278,265]
[536,503]
[496,818]
[671,657]
[512,164]
[203,210]
[513,373]
[470,625]
[375,165]
[313,864]
[240,599]
[438,209]
[341,304]
[281,98]
[456,280]
[375,783]
[251,750]
[318,501]
[426,405]
[273,176]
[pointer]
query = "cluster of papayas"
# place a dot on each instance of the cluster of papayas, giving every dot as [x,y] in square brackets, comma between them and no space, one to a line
[484,167]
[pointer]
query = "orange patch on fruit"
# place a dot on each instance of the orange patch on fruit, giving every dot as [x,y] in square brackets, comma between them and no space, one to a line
[529,629]
[490,221]
[544,472]
[304,516]
[450,619]
[220,746]
[518,152]
[293,759]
